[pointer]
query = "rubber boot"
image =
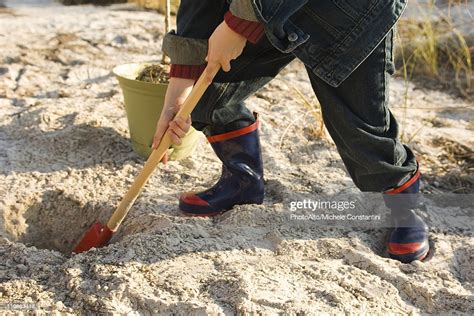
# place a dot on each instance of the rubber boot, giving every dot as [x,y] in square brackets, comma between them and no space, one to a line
[241,181]
[409,239]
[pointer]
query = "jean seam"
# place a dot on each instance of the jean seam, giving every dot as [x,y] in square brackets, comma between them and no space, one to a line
[388,42]
[386,99]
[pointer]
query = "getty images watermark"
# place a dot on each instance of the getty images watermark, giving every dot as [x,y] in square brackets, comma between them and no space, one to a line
[329,210]
[371,209]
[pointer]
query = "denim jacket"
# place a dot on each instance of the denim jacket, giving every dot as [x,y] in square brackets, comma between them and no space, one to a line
[332,37]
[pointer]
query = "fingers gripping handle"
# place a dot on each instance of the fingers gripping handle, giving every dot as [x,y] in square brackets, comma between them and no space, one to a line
[157,154]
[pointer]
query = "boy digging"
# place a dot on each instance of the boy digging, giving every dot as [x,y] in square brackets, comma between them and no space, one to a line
[346,46]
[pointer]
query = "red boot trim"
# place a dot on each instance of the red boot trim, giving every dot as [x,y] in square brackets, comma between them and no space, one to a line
[404,249]
[405,185]
[233,134]
[193,199]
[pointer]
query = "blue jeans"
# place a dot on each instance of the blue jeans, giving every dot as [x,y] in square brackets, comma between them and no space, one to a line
[355,113]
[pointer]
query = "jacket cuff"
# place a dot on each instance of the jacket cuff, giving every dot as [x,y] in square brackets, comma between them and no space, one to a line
[185,50]
[252,31]
[243,9]
[187,71]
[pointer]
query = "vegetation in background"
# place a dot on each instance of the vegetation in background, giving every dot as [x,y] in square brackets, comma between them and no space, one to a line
[159,5]
[314,108]
[97,2]
[433,46]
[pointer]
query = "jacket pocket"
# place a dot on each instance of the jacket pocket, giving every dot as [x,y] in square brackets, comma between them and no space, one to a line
[355,9]
[329,16]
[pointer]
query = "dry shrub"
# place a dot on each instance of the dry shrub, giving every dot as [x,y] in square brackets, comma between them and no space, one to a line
[314,108]
[433,45]
[452,169]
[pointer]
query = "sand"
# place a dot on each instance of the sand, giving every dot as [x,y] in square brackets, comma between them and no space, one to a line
[66,160]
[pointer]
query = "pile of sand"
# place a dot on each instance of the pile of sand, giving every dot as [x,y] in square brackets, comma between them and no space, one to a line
[65,162]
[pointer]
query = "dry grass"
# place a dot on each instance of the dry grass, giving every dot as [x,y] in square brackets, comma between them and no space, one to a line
[436,48]
[451,170]
[432,49]
[314,108]
[314,128]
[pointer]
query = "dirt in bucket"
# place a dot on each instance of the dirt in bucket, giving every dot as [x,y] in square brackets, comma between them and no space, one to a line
[54,221]
[156,73]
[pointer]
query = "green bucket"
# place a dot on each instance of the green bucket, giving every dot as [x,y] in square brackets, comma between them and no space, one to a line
[143,105]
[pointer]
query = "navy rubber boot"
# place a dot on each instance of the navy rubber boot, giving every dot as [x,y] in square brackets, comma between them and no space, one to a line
[241,181]
[409,239]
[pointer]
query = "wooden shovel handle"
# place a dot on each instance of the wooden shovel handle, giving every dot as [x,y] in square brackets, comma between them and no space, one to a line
[127,201]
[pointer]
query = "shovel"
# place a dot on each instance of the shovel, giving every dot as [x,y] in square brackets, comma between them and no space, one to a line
[99,235]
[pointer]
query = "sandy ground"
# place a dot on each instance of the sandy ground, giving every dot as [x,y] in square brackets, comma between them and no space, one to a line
[66,160]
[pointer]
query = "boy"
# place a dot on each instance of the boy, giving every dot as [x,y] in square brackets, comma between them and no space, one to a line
[346,46]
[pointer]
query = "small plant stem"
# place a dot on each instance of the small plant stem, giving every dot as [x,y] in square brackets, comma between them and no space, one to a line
[165,59]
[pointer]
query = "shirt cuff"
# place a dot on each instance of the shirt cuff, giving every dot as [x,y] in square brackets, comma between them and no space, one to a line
[186,71]
[252,31]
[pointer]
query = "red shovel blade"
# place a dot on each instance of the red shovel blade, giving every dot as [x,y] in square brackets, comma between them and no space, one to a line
[98,236]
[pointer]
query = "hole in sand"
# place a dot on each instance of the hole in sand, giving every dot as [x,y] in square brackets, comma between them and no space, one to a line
[54,221]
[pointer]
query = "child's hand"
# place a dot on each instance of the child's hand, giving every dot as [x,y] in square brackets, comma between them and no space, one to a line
[224,45]
[177,92]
